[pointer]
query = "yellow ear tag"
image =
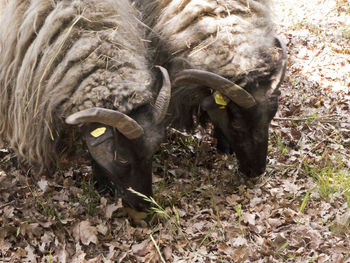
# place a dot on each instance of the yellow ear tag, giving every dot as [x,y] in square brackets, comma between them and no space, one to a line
[98,132]
[220,101]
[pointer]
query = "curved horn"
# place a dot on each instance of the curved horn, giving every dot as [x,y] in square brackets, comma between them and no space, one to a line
[123,123]
[163,99]
[281,71]
[226,87]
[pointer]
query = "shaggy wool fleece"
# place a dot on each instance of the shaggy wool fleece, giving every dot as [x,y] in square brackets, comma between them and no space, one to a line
[58,57]
[227,37]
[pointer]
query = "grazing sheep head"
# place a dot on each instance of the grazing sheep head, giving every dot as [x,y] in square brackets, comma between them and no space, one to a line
[243,131]
[241,119]
[122,146]
[85,62]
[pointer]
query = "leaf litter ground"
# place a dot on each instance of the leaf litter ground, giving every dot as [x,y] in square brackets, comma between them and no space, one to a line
[297,212]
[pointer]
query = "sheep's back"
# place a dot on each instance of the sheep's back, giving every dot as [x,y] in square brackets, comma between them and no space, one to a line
[229,38]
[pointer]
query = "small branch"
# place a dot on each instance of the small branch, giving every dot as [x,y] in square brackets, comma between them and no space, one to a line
[310,119]
[3,205]
[157,248]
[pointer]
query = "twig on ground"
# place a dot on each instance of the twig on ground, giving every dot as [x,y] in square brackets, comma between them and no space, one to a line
[157,248]
[308,119]
[6,204]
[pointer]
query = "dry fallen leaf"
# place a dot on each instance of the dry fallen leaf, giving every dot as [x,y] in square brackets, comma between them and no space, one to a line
[43,185]
[110,209]
[31,257]
[102,229]
[140,249]
[248,218]
[4,245]
[135,215]
[167,251]
[85,233]
[62,254]
[239,241]
[8,211]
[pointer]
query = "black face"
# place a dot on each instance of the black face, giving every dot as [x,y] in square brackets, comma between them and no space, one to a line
[123,163]
[243,131]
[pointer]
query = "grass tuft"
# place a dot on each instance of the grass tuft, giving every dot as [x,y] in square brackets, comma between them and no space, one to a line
[331,179]
[89,198]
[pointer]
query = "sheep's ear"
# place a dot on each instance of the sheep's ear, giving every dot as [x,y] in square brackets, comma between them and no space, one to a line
[123,123]
[178,64]
[215,101]
[97,133]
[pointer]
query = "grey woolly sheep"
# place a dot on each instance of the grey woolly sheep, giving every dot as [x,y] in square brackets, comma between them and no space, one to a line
[226,66]
[82,63]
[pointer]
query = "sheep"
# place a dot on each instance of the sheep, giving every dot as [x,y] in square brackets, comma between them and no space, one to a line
[80,69]
[226,65]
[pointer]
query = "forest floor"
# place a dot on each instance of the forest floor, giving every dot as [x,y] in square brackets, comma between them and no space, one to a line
[299,211]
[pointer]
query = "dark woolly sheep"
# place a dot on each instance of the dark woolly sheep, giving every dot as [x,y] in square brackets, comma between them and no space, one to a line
[226,66]
[81,63]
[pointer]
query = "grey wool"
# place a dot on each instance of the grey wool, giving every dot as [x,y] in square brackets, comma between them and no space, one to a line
[227,37]
[59,57]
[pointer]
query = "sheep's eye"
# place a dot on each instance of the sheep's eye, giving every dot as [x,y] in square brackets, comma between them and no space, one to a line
[122,161]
